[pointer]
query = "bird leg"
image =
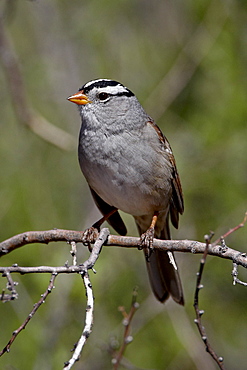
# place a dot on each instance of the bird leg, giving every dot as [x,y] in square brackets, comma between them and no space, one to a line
[92,232]
[146,240]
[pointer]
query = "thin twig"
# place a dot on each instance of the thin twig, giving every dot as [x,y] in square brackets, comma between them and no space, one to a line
[73,253]
[235,276]
[127,338]
[199,313]
[88,323]
[31,314]
[90,298]
[43,269]
[229,232]
[11,284]
[83,270]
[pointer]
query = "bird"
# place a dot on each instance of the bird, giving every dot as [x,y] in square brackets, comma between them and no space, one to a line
[129,166]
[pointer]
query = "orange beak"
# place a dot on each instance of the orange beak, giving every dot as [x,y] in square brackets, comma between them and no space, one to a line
[79,98]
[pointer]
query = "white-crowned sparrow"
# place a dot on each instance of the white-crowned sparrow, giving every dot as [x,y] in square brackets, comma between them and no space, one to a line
[129,165]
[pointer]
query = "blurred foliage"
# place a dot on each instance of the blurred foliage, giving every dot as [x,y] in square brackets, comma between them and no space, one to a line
[186,62]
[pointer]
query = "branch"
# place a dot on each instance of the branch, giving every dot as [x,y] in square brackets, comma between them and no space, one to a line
[199,313]
[229,232]
[88,323]
[45,237]
[83,270]
[90,298]
[104,238]
[199,286]
[127,337]
[30,316]
[235,276]
[10,286]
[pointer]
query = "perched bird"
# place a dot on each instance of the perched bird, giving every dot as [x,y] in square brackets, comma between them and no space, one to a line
[129,165]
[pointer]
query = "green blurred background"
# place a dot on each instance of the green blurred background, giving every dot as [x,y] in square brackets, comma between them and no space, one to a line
[186,62]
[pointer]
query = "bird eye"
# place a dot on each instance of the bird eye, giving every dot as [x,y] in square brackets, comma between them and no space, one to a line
[103,96]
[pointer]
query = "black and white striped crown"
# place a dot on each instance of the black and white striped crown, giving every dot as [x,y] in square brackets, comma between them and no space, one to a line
[108,86]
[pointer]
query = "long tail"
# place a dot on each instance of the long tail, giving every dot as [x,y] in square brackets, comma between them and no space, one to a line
[163,271]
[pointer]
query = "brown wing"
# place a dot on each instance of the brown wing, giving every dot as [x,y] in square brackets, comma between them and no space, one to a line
[177,203]
[163,276]
[114,220]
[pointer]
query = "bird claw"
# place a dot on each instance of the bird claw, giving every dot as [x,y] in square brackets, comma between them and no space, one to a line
[146,243]
[89,236]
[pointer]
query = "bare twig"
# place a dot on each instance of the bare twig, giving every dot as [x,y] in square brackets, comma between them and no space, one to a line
[83,270]
[73,253]
[29,317]
[90,298]
[45,237]
[11,284]
[229,232]
[126,322]
[88,323]
[199,313]
[235,276]
[100,241]
[43,269]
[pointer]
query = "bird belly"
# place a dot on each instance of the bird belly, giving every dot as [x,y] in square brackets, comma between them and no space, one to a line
[129,176]
[127,188]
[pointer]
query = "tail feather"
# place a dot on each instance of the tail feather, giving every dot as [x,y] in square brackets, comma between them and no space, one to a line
[162,270]
[164,278]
